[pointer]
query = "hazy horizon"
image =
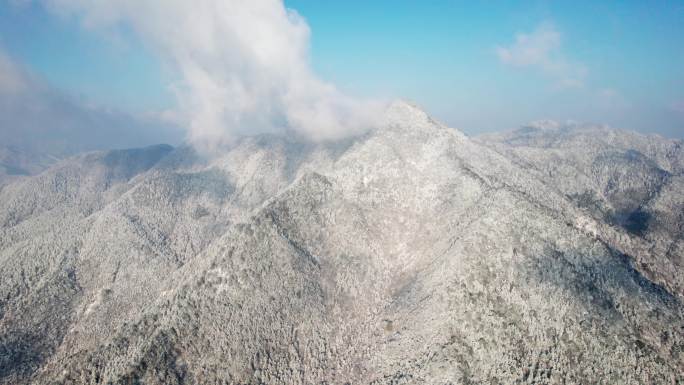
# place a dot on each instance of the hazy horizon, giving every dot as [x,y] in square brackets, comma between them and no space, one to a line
[124,73]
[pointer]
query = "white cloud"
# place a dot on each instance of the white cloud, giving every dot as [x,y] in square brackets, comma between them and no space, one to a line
[532,49]
[541,49]
[13,79]
[244,66]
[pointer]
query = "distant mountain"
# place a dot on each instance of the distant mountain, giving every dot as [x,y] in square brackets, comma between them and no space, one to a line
[40,124]
[410,255]
[16,163]
[621,178]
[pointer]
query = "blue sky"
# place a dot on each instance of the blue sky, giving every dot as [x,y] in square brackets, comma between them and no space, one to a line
[477,66]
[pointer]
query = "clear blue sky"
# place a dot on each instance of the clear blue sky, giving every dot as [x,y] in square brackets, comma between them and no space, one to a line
[619,62]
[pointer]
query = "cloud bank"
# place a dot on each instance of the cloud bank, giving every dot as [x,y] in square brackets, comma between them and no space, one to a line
[244,66]
[39,119]
[541,49]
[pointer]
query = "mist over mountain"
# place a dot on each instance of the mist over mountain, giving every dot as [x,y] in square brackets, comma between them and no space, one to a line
[408,254]
[40,124]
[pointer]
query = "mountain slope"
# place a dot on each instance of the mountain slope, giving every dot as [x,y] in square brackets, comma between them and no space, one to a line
[620,178]
[412,254]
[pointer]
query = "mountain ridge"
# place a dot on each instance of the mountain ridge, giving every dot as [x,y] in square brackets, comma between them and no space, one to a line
[412,254]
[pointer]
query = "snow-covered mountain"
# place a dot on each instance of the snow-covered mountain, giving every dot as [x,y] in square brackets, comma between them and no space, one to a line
[16,163]
[411,255]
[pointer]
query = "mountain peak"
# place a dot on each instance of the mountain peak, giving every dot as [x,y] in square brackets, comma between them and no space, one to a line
[402,114]
[545,125]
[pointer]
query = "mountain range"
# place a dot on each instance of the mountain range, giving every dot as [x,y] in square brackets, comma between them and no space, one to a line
[412,254]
